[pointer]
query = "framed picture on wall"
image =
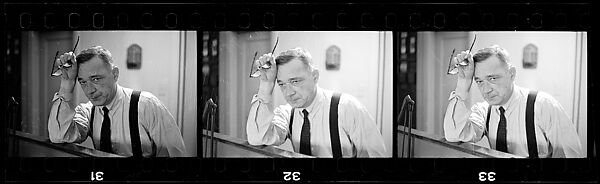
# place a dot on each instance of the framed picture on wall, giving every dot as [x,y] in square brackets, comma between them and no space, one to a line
[134,56]
[332,60]
[530,53]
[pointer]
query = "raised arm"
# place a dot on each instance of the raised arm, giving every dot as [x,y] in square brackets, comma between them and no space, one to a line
[267,125]
[464,121]
[68,122]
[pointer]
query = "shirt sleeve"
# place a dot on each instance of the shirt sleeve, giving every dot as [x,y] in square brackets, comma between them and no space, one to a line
[558,127]
[163,129]
[265,126]
[361,128]
[68,124]
[464,124]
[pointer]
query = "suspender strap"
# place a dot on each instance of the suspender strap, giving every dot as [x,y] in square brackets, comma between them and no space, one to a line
[530,126]
[134,132]
[487,123]
[291,122]
[91,132]
[334,132]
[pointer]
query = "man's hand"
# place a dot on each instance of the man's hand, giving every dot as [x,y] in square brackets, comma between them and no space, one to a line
[69,74]
[268,75]
[465,72]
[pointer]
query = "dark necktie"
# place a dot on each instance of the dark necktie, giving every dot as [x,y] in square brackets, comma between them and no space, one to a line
[305,135]
[105,144]
[501,135]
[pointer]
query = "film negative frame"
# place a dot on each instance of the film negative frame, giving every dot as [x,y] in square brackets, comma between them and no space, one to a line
[302,17]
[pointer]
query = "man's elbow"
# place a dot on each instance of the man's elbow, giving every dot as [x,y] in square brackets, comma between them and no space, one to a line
[253,138]
[263,140]
[451,137]
[55,139]
[451,134]
[255,141]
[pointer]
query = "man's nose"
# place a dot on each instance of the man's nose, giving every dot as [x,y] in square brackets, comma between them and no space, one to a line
[289,90]
[486,88]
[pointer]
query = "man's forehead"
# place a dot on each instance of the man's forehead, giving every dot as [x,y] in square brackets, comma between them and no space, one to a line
[93,67]
[281,76]
[484,72]
[292,69]
[490,65]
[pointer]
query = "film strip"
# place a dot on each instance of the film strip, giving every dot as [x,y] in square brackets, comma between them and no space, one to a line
[395,17]
[292,17]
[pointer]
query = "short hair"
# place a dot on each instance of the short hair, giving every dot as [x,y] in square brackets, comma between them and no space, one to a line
[493,50]
[88,54]
[295,53]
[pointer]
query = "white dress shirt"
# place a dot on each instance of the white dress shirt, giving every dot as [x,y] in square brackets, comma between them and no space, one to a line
[555,133]
[159,134]
[359,136]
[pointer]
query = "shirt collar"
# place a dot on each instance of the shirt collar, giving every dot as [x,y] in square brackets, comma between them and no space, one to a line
[118,96]
[316,102]
[514,97]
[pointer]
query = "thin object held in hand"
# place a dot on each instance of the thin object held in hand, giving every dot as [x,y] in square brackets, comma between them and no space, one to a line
[452,70]
[67,64]
[268,64]
[57,72]
[256,73]
[466,61]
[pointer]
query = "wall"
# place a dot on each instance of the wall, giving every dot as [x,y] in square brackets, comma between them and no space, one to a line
[555,73]
[165,71]
[37,87]
[434,86]
[160,56]
[385,97]
[561,70]
[581,86]
[188,89]
[236,88]
[365,72]
[358,67]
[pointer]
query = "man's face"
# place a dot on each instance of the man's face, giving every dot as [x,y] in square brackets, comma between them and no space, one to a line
[298,84]
[98,80]
[495,80]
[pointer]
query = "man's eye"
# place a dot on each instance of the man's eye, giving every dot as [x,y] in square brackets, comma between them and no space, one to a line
[280,84]
[294,82]
[95,79]
[492,78]
[478,82]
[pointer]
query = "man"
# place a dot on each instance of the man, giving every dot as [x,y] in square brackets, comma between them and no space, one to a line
[504,115]
[313,126]
[109,117]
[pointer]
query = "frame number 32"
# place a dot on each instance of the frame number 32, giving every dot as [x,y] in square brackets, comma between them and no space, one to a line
[287,176]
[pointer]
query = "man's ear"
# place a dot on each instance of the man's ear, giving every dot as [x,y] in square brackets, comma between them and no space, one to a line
[513,72]
[315,74]
[115,72]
